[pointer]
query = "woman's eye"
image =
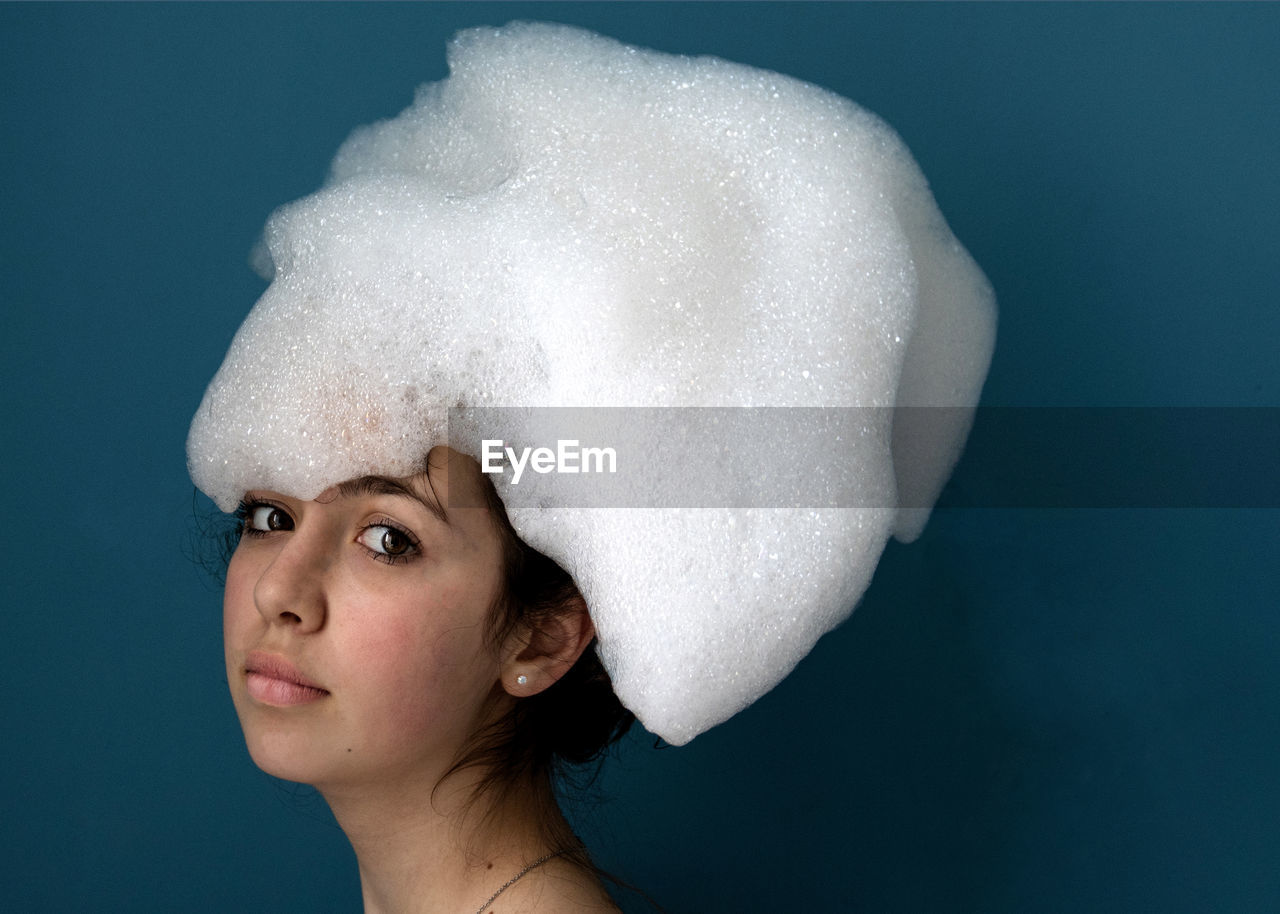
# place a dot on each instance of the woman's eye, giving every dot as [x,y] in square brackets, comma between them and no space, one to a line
[266,519]
[387,543]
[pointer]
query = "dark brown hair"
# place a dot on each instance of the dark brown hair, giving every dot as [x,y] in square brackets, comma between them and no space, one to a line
[556,738]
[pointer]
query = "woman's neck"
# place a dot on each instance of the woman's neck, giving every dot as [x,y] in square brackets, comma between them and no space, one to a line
[439,853]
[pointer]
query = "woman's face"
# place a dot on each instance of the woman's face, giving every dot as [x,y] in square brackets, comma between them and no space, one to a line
[355,628]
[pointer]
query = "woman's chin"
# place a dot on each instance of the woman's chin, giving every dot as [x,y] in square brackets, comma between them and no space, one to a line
[283,765]
[286,753]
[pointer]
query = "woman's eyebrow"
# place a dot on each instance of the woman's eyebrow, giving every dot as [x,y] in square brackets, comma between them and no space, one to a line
[381,485]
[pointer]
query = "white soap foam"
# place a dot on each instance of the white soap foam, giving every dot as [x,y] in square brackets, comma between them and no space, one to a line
[568,221]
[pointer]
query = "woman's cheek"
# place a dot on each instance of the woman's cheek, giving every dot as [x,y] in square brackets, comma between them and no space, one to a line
[239,612]
[419,672]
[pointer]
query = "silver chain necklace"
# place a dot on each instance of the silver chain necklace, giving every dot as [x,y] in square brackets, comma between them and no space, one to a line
[516,878]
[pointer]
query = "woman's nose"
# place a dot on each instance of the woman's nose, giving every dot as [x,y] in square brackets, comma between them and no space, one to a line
[291,590]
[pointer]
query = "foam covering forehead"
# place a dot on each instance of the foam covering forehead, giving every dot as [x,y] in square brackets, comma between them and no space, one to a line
[568,221]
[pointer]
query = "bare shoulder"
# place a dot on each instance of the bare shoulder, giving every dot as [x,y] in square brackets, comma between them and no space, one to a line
[558,888]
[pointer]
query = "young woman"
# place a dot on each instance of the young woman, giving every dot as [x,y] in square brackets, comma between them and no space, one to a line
[567,221]
[427,672]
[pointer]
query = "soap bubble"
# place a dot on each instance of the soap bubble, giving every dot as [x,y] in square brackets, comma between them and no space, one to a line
[567,221]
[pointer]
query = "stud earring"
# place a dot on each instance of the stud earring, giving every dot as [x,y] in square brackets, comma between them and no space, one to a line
[522,679]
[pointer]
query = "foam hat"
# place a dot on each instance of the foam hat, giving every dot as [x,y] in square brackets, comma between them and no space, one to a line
[567,221]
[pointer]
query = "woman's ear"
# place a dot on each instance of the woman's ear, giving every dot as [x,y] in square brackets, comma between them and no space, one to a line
[538,657]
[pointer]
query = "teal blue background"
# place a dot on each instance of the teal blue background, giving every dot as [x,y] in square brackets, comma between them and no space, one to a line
[1032,710]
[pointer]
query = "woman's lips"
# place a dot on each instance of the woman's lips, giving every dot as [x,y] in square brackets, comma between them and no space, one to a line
[273,680]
